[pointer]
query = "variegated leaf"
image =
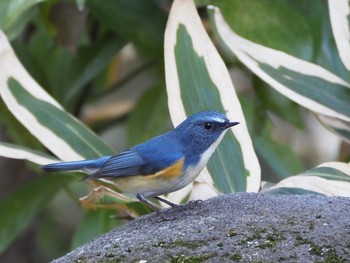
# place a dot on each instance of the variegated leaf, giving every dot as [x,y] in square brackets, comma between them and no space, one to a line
[331,178]
[60,132]
[197,79]
[309,85]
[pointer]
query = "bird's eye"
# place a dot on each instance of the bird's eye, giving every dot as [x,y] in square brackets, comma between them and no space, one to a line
[207,125]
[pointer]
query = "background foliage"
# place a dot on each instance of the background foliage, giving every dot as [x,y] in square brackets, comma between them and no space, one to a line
[103,61]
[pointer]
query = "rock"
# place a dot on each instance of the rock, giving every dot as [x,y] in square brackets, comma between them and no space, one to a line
[242,227]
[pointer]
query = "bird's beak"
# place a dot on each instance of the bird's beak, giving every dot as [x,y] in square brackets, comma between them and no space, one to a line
[229,124]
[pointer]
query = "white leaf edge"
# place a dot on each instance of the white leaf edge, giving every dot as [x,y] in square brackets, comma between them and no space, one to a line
[246,50]
[319,184]
[21,153]
[339,11]
[183,12]
[11,67]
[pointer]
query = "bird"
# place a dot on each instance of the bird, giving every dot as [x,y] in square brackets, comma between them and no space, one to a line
[161,165]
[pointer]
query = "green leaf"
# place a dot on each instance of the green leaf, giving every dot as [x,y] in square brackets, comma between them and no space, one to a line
[13,10]
[94,223]
[90,62]
[140,21]
[150,117]
[270,100]
[19,209]
[197,80]
[314,14]
[31,53]
[270,23]
[63,74]
[55,71]
[280,158]
[19,24]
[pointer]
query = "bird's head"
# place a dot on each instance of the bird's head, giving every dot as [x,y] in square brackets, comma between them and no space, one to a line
[201,130]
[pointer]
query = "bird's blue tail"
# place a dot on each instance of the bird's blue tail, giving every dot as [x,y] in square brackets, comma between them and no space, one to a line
[85,165]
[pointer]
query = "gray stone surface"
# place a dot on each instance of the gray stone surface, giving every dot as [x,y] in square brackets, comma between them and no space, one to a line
[232,228]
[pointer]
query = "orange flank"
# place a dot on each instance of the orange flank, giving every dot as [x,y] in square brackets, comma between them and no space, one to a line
[170,172]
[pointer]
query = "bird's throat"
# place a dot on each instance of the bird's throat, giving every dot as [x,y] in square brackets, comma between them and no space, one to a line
[193,171]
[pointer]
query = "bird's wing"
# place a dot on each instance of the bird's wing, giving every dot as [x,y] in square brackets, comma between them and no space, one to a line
[124,164]
[159,153]
[145,159]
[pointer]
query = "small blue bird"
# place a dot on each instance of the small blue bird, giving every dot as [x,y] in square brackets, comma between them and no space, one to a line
[160,165]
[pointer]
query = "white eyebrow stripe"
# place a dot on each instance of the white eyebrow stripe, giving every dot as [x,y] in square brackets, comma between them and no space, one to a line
[218,120]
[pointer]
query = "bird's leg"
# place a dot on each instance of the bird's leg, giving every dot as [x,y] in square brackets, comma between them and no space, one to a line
[165,201]
[142,199]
